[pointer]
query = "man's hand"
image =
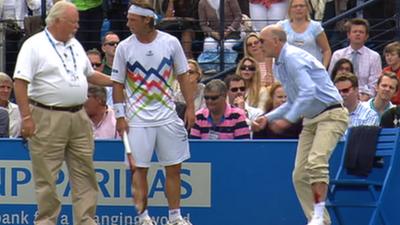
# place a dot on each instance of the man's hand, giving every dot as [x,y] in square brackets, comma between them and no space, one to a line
[239,102]
[122,126]
[27,127]
[189,117]
[259,123]
[279,126]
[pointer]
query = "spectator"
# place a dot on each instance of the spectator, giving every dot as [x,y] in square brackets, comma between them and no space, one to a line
[195,75]
[180,19]
[116,13]
[6,86]
[392,57]
[218,120]
[210,25]
[386,88]
[366,62]
[341,66]
[277,98]
[4,123]
[359,114]
[306,33]
[236,91]
[256,95]
[391,118]
[252,48]
[91,19]
[95,59]
[265,12]
[109,44]
[102,117]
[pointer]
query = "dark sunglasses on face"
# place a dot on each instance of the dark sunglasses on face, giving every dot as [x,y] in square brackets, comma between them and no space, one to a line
[345,90]
[212,98]
[96,65]
[253,43]
[249,68]
[112,44]
[236,89]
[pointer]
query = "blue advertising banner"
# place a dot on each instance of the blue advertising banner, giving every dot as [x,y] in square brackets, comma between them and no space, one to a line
[224,182]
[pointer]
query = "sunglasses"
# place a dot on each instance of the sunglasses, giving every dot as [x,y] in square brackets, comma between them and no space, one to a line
[192,72]
[253,43]
[96,65]
[212,98]
[236,89]
[249,68]
[345,90]
[112,44]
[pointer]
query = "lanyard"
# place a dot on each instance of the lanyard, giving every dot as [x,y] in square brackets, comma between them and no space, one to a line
[62,60]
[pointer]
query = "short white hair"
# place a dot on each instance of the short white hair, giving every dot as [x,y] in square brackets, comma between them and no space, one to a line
[57,11]
[5,77]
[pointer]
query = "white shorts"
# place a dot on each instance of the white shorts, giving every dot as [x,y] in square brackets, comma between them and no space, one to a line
[170,142]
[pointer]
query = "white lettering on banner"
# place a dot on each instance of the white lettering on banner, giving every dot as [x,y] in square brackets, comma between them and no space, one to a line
[123,219]
[16,184]
[14,218]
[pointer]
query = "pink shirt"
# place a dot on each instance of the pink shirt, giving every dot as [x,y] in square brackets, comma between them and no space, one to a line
[232,126]
[106,129]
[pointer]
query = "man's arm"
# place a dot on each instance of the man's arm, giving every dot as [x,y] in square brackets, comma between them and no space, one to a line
[100,79]
[188,89]
[21,95]
[119,108]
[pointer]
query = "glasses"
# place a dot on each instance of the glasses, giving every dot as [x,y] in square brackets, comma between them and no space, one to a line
[345,90]
[212,98]
[248,68]
[114,44]
[253,43]
[299,6]
[236,89]
[96,65]
[192,72]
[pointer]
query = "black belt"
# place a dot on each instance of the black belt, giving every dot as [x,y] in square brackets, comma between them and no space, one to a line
[73,109]
[331,107]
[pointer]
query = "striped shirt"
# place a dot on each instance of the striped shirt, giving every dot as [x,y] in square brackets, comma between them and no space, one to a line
[363,116]
[232,125]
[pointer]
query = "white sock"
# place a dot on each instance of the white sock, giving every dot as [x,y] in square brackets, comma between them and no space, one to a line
[174,215]
[319,209]
[144,216]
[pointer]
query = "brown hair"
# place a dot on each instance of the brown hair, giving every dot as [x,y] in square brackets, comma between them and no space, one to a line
[347,77]
[269,105]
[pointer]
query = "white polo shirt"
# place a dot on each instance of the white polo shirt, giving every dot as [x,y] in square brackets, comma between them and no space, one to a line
[56,71]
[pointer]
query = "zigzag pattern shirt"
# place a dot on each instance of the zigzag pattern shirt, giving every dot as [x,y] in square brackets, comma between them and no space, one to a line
[147,71]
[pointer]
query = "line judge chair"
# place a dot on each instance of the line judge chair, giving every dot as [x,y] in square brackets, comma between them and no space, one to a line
[371,200]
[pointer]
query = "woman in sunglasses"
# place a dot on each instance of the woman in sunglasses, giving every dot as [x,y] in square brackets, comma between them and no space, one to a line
[195,75]
[256,94]
[252,48]
[277,97]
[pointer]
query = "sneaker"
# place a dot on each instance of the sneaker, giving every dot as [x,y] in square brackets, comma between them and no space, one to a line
[316,221]
[180,222]
[147,222]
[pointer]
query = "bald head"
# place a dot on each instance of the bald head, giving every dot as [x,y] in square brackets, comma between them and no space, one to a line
[273,37]
[276,31]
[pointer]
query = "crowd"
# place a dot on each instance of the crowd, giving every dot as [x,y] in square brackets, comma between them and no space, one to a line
[253,102]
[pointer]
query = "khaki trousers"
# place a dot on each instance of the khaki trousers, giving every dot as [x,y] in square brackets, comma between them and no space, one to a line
[63,136]
[317,141]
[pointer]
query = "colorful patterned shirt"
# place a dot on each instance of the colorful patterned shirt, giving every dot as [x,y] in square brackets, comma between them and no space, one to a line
[148,71]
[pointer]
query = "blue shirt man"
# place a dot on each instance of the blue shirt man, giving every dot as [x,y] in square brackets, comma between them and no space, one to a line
[313,97]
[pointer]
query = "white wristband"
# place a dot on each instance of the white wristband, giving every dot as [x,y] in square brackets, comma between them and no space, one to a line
[119,110]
